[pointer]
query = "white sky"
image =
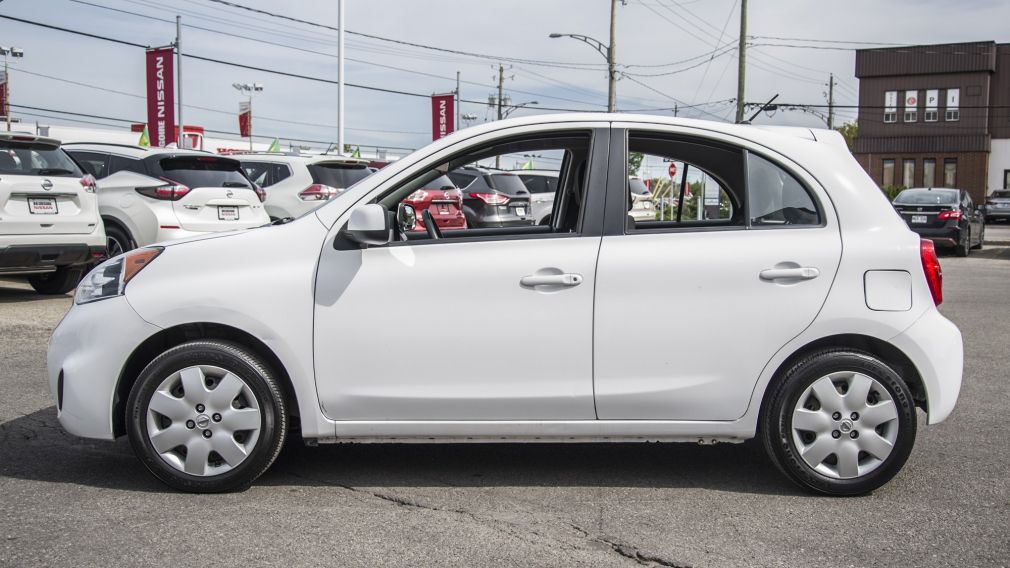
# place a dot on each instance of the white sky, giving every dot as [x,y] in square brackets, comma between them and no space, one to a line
[649,32]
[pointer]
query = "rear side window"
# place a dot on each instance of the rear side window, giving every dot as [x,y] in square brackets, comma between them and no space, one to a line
[776,197]
[34,159]
[340,176]
[266,174]
[203,171]
[122,163]
[92,162]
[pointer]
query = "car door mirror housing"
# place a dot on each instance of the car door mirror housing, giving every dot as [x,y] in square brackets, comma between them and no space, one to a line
[406,217]
[370,225]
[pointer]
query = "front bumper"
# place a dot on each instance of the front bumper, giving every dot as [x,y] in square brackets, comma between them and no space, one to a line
[87,352]
[934,345]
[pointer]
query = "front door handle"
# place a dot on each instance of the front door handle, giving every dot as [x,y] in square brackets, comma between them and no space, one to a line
[551,280]
[801,273]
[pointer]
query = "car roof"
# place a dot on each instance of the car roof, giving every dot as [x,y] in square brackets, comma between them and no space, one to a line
[298,158]
[132,150]
[16,136]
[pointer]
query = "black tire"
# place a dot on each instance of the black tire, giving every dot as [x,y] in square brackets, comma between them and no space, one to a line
[963,246]
[777,418]
[237,360]
[63,280]
[981,240]
[116,236]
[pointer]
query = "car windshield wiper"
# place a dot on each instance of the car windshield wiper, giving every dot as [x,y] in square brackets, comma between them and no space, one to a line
[52,172]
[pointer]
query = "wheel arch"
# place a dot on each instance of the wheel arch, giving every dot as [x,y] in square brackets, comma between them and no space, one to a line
[167,338]
[119,224]
[888,353]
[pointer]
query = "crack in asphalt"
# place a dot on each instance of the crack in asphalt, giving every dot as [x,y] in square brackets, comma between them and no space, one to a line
[629,551]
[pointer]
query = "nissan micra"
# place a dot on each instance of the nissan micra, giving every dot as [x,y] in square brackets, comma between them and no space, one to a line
[782,298]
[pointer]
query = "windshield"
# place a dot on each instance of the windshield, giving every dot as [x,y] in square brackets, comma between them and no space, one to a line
[1001,194]
[638,186]
[337,175]
[927,197]
[204,171]
[34,159]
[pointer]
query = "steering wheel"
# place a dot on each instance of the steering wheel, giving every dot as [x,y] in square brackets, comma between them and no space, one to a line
[430,226]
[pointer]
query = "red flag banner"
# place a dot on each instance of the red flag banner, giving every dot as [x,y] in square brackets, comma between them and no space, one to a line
[245,118]
[443,109]
[161,96]
[4,99]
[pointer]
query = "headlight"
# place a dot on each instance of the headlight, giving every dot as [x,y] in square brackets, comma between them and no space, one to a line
[109,279]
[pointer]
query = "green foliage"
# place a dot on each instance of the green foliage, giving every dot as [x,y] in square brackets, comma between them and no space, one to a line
[635,163]
[892,191]
[849,131]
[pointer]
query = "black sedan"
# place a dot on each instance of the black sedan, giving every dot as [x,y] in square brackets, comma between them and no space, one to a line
[945,216]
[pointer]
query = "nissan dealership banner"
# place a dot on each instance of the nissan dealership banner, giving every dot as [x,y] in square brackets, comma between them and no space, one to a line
[161,96]
[245,118]
[4,99]
[443,109]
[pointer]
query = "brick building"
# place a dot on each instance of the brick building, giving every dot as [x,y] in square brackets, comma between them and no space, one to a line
[936,116]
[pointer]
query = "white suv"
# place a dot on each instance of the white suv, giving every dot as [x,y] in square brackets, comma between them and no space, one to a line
[795,306]
[149,195]
[297,183]
[49,225]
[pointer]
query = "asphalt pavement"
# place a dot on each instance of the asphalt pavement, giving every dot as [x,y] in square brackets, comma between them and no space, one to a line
[66,501]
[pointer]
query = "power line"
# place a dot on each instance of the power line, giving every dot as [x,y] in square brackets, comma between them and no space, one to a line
[829,41]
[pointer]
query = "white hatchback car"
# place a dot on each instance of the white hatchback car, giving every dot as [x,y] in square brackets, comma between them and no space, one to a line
[49,225]
[298,183]
[150,195]
[801,310]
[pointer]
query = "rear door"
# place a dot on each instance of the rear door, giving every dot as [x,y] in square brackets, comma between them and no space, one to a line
[220,196]
[691,307]
[41,191]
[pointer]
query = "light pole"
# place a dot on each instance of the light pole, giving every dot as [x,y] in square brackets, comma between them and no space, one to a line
[249,89]
[17,53]
[607,51]
[513,108]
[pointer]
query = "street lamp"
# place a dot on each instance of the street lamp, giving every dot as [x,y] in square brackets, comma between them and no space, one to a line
[513,108]
[609,53]
[249,89]
[17,53]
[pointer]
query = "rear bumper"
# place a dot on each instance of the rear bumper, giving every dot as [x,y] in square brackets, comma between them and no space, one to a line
[1000,213]
[934,345]
[949,236]
[28,258]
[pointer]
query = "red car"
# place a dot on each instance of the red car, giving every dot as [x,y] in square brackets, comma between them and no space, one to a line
[445,202]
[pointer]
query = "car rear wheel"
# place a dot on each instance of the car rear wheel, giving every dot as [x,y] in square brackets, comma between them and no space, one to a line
[117,241]
[60,281]
[840,422]
[206,417]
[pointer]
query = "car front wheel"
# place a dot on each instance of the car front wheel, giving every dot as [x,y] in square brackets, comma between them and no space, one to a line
[840,422]
[206,416]
[60,281]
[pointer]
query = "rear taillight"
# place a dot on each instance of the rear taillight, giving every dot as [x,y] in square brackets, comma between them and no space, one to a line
[259,192]
[491,198]
[455,195]
[318,192]
[88,183]
[172,191]
[418,196]
[952,214]
[931,267]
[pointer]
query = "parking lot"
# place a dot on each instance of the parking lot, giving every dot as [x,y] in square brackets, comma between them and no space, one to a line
[67,501]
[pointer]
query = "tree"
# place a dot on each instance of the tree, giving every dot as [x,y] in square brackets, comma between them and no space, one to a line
[635,163]
[849,131]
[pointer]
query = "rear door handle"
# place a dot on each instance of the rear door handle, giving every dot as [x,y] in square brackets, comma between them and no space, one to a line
[801,273]
[551,280]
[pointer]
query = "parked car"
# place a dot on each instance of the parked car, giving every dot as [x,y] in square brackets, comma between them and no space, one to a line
[442,200]
[945,216]
[493,198]
[997,206]
[149,195]
[642,206]
[819,334]
[542,184]
[49,225]
[298,183]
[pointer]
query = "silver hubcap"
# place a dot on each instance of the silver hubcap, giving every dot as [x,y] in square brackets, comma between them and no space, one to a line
[203,420]
[115,248]
[845,425]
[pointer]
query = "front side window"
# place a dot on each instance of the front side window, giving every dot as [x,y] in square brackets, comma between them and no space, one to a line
[121,163]
[92,162]
[777,197]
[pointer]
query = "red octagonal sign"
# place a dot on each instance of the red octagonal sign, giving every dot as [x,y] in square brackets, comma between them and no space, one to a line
[673,169]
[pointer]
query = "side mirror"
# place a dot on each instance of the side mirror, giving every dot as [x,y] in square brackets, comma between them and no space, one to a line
[370,225]
[406,217]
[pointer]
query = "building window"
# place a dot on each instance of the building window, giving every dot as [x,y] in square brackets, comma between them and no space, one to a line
[891,106]
[929,172]
[888,176]
[949,172]
[891,116]
[911,106]
[910,115]
[953,113]
[1006,179]
[908,173]
[930,116]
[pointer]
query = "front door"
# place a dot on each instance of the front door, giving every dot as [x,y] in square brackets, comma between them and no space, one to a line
[481,324]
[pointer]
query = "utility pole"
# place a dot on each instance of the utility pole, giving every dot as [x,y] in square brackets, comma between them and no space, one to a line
[501,88]
[456,124]
[181,138]
[340,78]
[741,62]
[831,101]
[612,59]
